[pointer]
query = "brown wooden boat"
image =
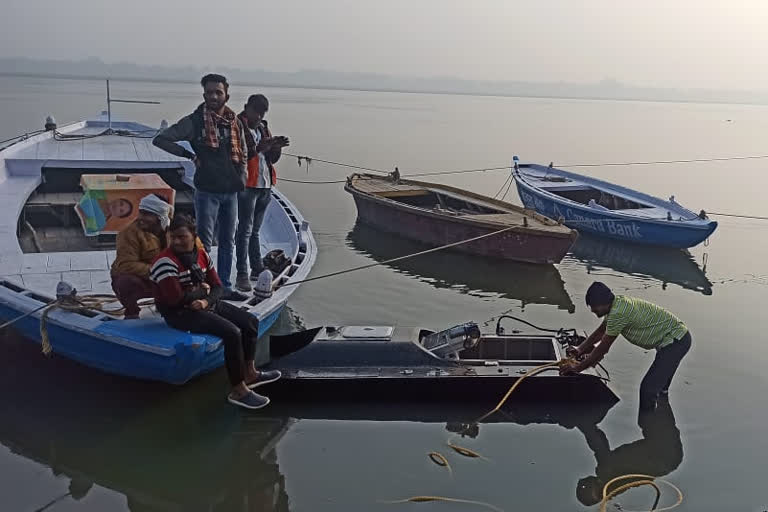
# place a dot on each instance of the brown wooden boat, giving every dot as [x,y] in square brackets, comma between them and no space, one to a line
[439,215]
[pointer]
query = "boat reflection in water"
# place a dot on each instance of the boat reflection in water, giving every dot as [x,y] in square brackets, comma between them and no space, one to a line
[171,449]
[658,263]
[530,284]
[164,448]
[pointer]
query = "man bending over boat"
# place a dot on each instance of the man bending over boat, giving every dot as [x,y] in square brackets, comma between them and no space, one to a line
[218,140]
[137,247]
[643,324]
[189,294]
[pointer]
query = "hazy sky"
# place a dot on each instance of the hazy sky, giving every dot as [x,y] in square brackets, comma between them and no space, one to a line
[679,43]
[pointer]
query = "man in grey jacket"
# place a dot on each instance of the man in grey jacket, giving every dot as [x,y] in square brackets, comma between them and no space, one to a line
[220,154]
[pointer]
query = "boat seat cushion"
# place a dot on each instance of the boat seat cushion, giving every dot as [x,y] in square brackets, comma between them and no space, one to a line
[154,332]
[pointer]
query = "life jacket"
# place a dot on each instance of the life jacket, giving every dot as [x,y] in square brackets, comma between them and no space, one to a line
[254,162]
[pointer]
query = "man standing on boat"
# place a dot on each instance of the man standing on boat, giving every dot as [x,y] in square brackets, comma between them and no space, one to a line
[218,140]
[643,324]
[263,152]
[137,247]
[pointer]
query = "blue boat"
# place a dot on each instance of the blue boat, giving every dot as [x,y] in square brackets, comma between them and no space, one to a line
[607,210]
[42,243]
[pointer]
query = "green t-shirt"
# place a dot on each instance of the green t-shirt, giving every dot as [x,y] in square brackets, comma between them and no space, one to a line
[643,323]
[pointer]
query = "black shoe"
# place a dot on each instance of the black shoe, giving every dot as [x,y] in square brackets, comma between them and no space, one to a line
[234,296]
[249,401]
[265,377]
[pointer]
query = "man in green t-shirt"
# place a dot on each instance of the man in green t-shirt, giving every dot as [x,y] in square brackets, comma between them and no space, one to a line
[643,324]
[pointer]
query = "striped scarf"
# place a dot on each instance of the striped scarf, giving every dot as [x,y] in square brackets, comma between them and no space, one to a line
[211,123]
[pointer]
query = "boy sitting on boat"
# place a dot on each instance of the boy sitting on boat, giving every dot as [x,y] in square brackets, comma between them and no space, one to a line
[189,295]
[137,247]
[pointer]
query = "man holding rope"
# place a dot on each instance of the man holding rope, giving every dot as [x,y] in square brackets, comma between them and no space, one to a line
[643,324]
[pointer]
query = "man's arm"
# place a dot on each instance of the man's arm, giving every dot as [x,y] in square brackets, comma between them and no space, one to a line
[167,139]
[595,356]
[243,166]
[274,154]
[588,344]
[129,257]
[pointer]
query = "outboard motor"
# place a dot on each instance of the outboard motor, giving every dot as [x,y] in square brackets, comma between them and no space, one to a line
[448,343]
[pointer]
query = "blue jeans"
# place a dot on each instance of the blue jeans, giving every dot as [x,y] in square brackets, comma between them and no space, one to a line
[659,376]
[218,210]
[252,205]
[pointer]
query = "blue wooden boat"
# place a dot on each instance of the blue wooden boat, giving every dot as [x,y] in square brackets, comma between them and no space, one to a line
[42,243]
[607,210]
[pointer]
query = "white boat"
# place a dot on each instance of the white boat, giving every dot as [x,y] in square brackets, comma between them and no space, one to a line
[40,245]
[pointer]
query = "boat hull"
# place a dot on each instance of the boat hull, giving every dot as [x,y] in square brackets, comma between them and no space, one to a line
[116,347]
[517,245]
[453,389]
[607,225]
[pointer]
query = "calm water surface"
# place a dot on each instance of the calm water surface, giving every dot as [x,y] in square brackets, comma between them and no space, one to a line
[72,439]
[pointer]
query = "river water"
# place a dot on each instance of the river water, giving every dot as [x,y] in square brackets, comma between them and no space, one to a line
[73,439]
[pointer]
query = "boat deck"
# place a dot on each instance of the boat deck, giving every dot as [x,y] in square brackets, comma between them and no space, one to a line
[386,187]
[87,271]
[131,144]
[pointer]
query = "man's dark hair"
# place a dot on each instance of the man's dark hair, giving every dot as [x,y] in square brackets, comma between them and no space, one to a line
[213,77]
[182,220]
[258,102]
[598,294]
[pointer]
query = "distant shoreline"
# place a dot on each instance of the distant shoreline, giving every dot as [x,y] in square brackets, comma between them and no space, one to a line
[340,87]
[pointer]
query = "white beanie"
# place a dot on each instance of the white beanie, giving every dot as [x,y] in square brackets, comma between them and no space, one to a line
[156,206]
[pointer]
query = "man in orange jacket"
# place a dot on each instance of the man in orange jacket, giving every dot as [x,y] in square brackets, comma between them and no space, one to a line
[264,151]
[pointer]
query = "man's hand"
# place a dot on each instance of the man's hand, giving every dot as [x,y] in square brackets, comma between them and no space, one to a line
[573,352]
[569,368]
[198,305]
[265,144]
[280,141]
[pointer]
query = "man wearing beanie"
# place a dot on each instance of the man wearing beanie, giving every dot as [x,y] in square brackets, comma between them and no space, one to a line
[641,323]
[137,246]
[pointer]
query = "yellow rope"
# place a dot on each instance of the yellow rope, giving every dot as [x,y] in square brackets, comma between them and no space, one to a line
[421,499]
[646,480]
[440,460]
[519,380]
[466,452]
[95,302]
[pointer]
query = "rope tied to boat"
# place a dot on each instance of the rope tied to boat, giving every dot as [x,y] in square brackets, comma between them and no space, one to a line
[67,299]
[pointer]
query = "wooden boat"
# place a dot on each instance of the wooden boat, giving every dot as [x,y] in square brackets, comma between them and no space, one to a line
[527,283]
[607,210]
[438,215]
[42,243]
[384,363]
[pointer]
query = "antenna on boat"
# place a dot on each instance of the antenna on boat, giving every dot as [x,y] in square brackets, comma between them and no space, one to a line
[111,100]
